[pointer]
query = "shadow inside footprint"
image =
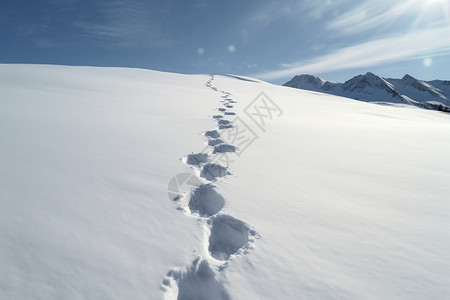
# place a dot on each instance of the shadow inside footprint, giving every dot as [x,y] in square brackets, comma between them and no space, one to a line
[197,282]
[221,127]
[197,158]
[211,171]
[212,133]
[224,122]
[206,201]
[223,148]
[228,235]
[215,142]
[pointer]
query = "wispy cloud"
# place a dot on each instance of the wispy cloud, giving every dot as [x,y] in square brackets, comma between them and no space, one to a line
[269,12]
[367,15]
[376,14]
[381,51]
[127,23]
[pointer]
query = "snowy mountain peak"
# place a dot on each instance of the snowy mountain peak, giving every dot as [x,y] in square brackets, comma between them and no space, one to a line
[369,81]
[370,87]
[422,86]
[408,78]
[306,81]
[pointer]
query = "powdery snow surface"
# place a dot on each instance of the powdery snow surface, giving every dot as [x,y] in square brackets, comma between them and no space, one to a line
[324,197]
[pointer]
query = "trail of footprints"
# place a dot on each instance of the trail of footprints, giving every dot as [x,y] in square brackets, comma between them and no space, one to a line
[228,236]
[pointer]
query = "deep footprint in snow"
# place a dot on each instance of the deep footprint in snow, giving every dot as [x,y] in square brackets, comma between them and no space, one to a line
[224,122]
[215,142]
[211,171]
[228,235]
[197,282]
[212,133]
[223,148]
[197,158]
[221,127]
[205,201]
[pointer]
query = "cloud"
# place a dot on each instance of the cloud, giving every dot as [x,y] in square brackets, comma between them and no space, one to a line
[368,15]
[268,12]
[408,46]
[127,24]
[376,14]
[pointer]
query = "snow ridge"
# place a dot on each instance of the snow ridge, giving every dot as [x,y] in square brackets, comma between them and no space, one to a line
[372,88]
[228,236]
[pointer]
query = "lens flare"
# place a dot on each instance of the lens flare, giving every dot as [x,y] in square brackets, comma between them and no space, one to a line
[427,62]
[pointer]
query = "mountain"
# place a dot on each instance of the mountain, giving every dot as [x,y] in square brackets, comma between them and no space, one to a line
[119,183]
[372,88]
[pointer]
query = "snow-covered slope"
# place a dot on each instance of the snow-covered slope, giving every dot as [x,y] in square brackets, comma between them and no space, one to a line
[323,197]
[372,88]
[419,90]
[442,85]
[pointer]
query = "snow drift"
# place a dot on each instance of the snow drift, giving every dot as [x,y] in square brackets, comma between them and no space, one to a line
[327,198]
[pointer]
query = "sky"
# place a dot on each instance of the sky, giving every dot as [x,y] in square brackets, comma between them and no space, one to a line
[267,39]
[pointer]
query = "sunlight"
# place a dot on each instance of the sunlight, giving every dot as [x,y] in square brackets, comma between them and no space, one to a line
[427,62]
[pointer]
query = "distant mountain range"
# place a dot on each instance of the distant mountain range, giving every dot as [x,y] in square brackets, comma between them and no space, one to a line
[433,94]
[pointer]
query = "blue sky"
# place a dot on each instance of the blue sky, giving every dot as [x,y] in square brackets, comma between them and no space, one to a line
[271,40]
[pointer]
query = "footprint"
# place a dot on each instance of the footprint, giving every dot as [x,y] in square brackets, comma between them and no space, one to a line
[222,148]
[197,282]
[224,122]
[228,235]
[217,117]
[196,159]
[225,126]
[230,113]
[212,133]
[211,171]
[215,142]
[221,109]
[206,201]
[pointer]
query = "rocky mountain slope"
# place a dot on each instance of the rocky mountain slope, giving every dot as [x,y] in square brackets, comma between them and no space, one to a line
[372,88]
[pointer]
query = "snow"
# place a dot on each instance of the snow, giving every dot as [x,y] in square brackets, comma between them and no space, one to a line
[331,198]
[372,88]
[350,198]
[86,156]
[419,90]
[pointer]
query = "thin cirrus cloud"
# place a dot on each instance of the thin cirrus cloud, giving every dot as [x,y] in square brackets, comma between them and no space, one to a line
[396,48]
[127,24]
[368,15]
[382,14]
